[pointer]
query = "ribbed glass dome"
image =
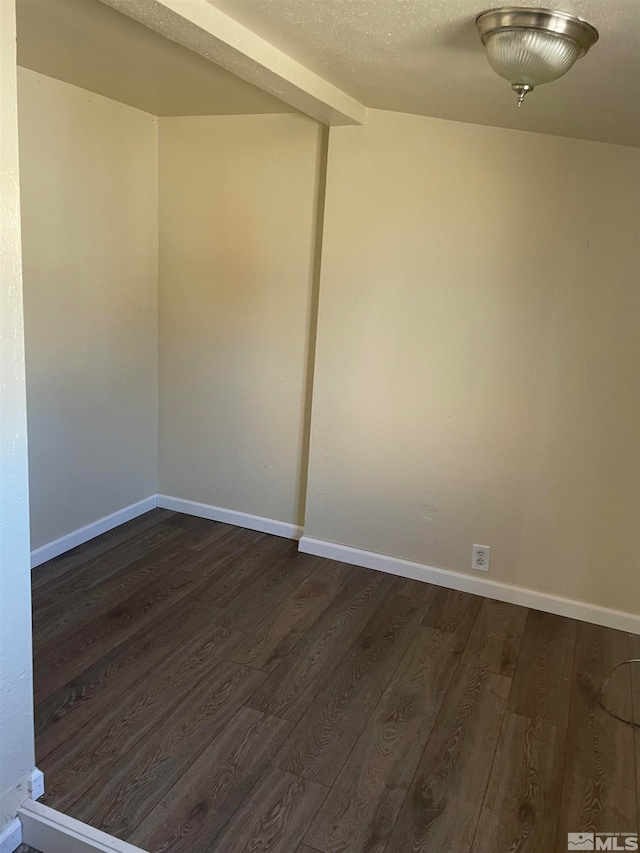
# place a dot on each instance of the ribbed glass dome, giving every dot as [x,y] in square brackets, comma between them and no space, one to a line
[530,57]
[529,46]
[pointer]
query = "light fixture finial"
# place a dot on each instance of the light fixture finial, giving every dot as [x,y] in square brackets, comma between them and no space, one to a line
[521,89]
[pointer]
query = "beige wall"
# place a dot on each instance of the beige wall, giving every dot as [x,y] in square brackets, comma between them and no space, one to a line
[477,370]
[238,199]
[16,678]
[89,216]
[477,374]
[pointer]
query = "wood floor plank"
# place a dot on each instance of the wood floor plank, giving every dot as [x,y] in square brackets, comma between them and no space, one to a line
[212,562]
[199,528]
[291,687]
[425,592]
[198,533]
[122,798]
[273,638]
[600,748]
[235,567]
[589,805]
[69,609]
[521,808]
[50,597]
[139,731]
[208,571]
[261,597]
[542,681]
[59,566]
[273,817]
[322,739]
[361,808]
[454,612]
[441,810]
[495,639]
[207,534]
[61,715]
[80,762]
[75,652]
[186,521]
[193,813]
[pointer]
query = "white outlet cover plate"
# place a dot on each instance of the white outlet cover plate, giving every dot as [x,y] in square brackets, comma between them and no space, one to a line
[480,557]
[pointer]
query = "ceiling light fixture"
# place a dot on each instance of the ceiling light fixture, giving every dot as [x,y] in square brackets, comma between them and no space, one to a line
[529,46]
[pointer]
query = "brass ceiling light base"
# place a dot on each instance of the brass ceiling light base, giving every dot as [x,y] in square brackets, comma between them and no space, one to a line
[529,46]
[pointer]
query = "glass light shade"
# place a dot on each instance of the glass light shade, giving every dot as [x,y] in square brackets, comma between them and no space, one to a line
[530,57]
[529,46]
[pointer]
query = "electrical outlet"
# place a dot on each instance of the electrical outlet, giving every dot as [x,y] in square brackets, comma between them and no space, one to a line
[480,557]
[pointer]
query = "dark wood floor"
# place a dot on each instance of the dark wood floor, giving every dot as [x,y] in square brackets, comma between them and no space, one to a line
[208,689]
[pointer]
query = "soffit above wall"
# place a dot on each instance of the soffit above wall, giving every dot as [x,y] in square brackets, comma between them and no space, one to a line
[89,44]
[424,57]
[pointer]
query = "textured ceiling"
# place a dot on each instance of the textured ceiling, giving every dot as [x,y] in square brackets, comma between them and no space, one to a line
[424,57]
[91,45]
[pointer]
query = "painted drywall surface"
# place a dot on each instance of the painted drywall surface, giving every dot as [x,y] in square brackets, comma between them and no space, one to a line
[205,30]
[16,678]
[89,216]
[237,201]
[89,44]
[477,366]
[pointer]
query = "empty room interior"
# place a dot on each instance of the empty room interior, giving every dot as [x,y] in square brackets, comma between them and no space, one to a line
[320,427]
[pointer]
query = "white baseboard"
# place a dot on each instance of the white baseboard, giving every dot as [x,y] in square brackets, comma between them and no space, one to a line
[54,832]
[230,516]
[478,586]
[344,553]
[90,531]
[215,513]
[35,784]
[11,837]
